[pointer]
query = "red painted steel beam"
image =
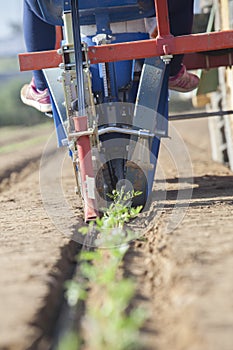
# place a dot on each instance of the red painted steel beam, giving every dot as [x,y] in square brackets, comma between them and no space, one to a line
[201,61]
[39,60]
[59,37]
[192,61]
[163,25]
[136,49]
[175,45]
[86,167]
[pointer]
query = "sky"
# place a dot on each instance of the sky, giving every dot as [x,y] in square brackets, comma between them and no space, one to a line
[196,6]
[11,11]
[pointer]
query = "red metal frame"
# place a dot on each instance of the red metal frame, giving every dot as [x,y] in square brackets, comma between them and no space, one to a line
[59,37]
[164,44]
[163,24]
[86,166]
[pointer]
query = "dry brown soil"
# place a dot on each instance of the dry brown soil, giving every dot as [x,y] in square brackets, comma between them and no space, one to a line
[184,274]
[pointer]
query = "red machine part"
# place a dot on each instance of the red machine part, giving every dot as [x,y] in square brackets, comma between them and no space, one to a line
[51,59]
[86,167]
[163,44]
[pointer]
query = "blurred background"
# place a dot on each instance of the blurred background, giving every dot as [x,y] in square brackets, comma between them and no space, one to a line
[12,110]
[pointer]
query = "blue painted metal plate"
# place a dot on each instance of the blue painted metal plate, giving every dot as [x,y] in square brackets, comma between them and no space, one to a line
[57,99]
[117,10]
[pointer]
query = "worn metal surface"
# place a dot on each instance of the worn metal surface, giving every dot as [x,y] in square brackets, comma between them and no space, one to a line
[57,97]
[145,115]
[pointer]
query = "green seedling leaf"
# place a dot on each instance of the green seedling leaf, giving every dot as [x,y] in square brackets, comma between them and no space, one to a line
[74,292]
[100,270]
[89,255]
[83,230]
[69,341]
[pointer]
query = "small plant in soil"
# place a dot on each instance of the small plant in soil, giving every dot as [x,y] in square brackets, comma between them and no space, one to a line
[110,321]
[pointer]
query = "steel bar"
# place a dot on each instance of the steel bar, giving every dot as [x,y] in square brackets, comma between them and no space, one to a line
[51,59]
[39,60]
[162,16]
[111,129]
[59,37]
[88,132]
[205,61]
[85,167]
[186,44]
[139,133]
[199,115]
[151,47]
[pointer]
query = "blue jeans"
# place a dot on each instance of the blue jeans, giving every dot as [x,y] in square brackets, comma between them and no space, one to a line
[181,22]
[40,35]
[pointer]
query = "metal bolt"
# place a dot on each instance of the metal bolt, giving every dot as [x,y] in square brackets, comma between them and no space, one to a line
[166,58]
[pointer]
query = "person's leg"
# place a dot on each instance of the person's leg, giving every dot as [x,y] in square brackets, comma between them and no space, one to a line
[181,21]
[39,36]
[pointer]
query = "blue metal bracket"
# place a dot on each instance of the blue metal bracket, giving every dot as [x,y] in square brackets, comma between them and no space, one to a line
[57,99]
[67,5]
[151,113]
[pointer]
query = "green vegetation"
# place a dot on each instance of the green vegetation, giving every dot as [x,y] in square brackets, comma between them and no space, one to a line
[16,132]
[111,321]
[22,145]
[13,111]
[69,342]
[8,64]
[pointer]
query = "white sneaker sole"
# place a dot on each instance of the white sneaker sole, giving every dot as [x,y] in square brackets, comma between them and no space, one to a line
[44,108]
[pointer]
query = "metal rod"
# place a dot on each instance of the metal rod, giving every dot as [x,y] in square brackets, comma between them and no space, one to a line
[162,16]
[199,115]
[78,55]
[111,129]
[148,48]
[139,133]
[142,49]
[81,133]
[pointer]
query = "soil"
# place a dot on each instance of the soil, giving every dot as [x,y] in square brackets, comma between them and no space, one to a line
[184,275]
[183,267]
[35,256]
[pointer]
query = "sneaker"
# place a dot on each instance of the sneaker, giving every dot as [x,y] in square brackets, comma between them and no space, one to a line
[183,81]
[39,100]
